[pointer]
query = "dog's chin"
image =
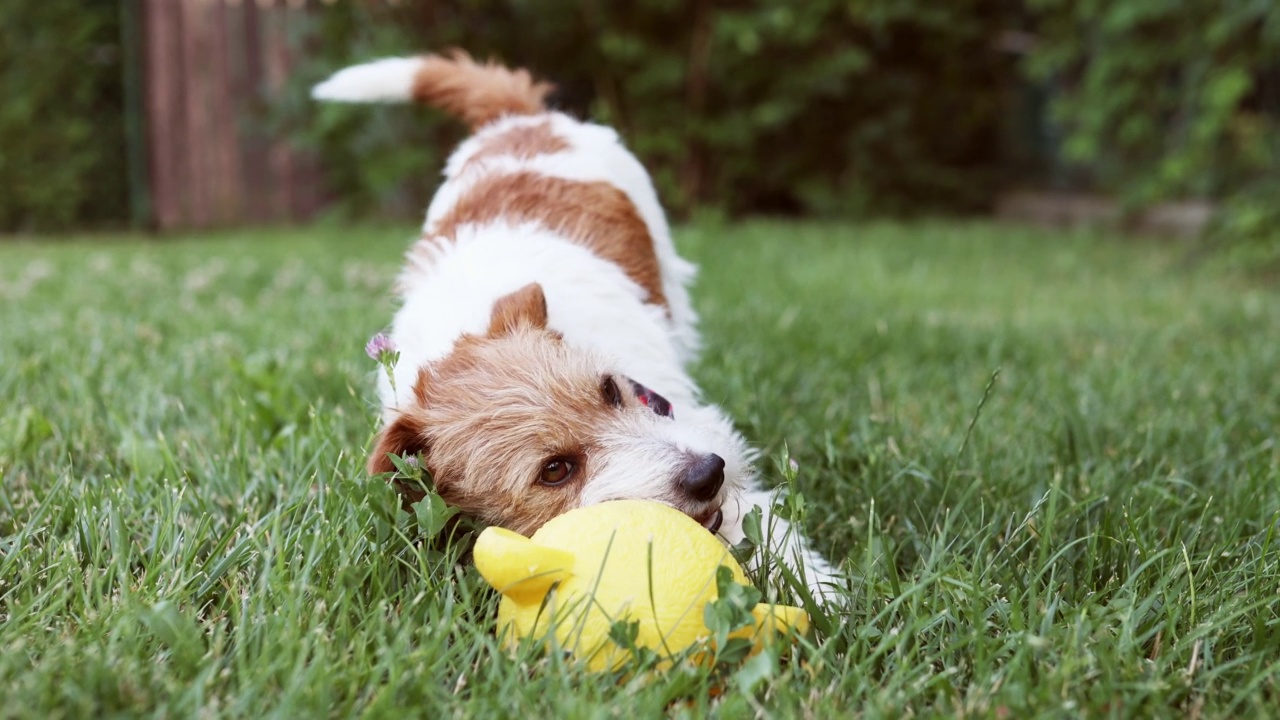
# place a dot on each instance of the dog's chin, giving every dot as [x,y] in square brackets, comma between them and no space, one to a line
[710,519]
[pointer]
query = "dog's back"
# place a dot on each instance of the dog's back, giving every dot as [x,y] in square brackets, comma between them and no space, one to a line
[528,166]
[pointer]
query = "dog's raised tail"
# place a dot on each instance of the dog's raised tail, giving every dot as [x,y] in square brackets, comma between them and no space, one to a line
[477,93]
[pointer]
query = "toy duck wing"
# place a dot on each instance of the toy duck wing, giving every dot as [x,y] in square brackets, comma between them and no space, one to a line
[777,619]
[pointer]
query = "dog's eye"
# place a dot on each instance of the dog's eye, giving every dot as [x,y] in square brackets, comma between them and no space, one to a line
[609,389]
[557,471]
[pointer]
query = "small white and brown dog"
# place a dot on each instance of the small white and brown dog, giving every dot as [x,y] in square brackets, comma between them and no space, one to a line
[546,324]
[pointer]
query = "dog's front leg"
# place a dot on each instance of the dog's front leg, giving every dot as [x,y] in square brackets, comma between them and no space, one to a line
[785,543]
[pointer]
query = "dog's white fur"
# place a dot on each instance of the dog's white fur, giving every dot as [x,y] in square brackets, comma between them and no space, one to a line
[450,290]
[592,302]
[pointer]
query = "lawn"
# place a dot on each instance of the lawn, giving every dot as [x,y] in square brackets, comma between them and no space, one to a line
[185,527]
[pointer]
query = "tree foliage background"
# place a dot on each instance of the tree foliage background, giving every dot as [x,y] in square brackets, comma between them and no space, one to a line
[830,107]
[62,145]
[1162,99]
[885,106]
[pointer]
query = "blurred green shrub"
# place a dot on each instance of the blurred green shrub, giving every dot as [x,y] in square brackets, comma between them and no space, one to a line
[1163,100]
[62,143]
[824,106]
[828,107]
[378,160]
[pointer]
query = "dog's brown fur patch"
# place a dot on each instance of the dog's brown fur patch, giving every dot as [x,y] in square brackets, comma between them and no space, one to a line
[596,215]
[489,415]
[523,143]
[496,410]
[477,93]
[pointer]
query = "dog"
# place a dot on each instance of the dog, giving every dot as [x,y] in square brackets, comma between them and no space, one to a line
[546,325]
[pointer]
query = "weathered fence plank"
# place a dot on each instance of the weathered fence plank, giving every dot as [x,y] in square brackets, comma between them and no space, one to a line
[210,67]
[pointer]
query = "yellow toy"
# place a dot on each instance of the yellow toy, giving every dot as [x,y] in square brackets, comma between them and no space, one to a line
[623,560]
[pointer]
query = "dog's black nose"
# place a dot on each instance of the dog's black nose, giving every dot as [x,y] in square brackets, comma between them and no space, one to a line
[703,478]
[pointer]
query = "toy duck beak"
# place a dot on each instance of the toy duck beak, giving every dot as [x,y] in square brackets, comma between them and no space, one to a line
[518,567]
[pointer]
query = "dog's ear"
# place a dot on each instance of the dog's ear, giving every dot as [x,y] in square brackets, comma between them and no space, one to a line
[422,385]
[526,307]
[402,436]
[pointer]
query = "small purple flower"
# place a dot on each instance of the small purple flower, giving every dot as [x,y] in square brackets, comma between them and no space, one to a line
[378,345]
[795,466]
[382,350]
[411,461]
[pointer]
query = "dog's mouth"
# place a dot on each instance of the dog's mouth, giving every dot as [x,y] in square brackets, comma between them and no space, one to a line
[711,519]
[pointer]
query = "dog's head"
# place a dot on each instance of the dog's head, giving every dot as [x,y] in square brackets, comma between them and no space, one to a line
[517,427]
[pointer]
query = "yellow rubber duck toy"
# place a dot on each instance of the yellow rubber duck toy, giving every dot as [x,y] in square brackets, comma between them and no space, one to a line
[627,560]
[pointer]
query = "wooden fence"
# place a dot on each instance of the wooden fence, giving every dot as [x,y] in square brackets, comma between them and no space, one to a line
[209,68]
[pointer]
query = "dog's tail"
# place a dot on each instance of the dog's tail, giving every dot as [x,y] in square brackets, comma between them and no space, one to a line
[477,93]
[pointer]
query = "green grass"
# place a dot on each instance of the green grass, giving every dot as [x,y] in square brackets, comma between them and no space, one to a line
[185,529]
